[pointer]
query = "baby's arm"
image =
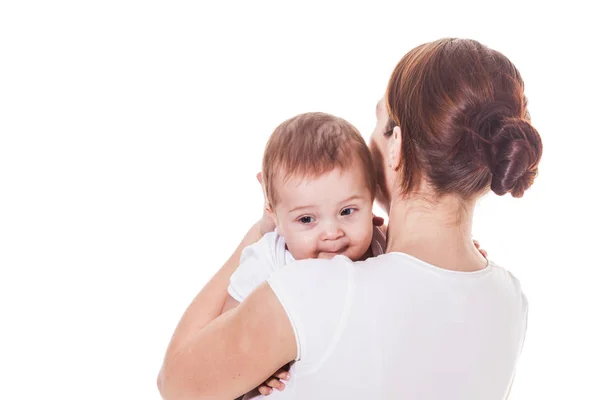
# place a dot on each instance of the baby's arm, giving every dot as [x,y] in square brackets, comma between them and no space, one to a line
[257,263]
[254,268]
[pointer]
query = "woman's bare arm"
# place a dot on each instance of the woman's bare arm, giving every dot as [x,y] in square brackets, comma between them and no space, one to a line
[232,354]
[209,303]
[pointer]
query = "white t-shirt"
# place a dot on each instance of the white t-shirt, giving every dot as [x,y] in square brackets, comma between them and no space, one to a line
[395,327]
[259,260]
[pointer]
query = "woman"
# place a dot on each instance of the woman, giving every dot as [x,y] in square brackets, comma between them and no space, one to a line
[429,319]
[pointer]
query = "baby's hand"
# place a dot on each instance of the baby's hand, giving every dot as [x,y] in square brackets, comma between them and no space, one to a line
[482,251]
[275,382]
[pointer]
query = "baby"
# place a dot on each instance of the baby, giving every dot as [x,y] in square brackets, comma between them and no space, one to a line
[319,184]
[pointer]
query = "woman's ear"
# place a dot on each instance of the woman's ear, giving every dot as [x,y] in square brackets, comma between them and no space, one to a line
[394,146]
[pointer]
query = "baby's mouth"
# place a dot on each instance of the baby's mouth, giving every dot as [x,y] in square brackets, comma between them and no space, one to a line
[330,253]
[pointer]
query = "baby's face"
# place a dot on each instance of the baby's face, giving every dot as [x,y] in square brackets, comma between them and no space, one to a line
[326,216]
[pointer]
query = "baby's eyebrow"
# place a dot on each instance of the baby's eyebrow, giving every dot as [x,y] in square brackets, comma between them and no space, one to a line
[301,208]
[351,198]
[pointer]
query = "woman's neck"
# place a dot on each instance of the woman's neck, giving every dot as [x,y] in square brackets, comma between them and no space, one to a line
[437,232]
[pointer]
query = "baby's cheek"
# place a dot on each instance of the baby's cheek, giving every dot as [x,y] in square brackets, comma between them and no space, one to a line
[301,246]
[365,236]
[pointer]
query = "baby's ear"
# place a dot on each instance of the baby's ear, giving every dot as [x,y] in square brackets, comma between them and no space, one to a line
[268,222]
[272,215]
[270,212]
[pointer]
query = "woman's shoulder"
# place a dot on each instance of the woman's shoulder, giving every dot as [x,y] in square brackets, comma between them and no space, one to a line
[314,276]
[510,280]
[396,259]
[402,266]
[323,268]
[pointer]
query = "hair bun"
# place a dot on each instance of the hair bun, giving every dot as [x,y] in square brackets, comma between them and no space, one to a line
[516,151]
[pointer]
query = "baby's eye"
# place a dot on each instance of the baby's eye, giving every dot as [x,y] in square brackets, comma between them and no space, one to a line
[306,220]
[348,211]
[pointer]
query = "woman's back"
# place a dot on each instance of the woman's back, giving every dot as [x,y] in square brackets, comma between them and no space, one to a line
[452,126]
[397,327]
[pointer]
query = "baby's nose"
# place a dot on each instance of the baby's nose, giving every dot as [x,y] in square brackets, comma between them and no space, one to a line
[332,232]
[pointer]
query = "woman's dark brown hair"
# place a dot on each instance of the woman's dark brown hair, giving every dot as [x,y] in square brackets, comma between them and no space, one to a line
[464,122]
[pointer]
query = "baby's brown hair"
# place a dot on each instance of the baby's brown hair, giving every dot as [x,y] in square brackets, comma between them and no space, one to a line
[311,144]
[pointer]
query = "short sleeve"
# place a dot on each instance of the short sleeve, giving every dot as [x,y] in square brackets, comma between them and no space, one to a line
[317,297]
[257,263]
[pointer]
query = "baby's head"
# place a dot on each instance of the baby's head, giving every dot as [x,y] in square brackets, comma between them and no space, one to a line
[319,184]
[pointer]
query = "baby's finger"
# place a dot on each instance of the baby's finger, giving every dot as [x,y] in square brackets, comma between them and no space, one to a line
[282,374]
[476,243]
[275,383]
[265,390]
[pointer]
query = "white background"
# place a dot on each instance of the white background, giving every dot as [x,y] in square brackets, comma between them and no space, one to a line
[131,132]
